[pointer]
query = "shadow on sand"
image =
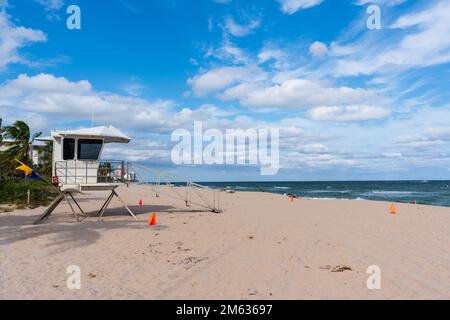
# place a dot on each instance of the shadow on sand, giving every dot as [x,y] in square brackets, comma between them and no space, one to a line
[66,233]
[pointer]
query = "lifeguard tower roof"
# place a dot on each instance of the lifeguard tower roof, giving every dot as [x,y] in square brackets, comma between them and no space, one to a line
[108,134]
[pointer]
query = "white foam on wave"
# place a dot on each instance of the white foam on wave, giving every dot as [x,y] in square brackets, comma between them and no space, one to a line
[392,192]
[328,191]
[328,199]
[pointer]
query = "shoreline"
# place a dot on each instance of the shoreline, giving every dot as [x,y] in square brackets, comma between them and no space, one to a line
[12,208]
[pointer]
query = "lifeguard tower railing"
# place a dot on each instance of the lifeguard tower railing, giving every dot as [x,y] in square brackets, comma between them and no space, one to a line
[90,172]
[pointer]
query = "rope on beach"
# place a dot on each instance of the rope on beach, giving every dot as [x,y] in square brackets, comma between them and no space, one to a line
[189,185]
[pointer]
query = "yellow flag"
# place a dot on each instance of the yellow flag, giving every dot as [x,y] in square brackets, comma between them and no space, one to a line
[24,168]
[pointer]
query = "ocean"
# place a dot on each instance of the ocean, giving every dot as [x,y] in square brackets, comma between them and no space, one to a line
[423,192]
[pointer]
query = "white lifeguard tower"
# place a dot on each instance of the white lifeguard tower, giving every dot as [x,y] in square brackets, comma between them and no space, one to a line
[76,166]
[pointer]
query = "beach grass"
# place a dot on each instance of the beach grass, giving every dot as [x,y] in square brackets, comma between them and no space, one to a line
[16,193]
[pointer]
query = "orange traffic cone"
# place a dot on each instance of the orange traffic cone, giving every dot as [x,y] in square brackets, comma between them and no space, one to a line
[152,220]
[393,210]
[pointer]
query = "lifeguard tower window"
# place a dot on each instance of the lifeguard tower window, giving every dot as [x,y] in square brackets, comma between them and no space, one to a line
[89,149]
[68,149]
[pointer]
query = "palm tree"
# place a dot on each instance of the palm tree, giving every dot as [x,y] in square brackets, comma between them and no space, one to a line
[18,142]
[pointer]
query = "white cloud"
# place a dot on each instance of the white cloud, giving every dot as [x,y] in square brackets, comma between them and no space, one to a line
[61,100]
[380,2]
[49,102]
[240,30]
[46,94]
[392,154]
[426,138]
[268,54]
[51,4]
[426,43]
[43,83]
[140,150]
[292,6]
[296,93]
[318,49]
[311,148]
[349,113]
[228,51]
[220,78]
[51,8]
[13,38]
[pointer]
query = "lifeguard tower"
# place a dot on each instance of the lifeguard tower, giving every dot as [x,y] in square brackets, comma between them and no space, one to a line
[76,166]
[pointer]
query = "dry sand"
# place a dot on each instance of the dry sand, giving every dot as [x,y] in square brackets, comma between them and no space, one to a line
[262,247]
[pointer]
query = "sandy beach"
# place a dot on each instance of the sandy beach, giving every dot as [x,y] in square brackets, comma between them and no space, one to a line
[263,246]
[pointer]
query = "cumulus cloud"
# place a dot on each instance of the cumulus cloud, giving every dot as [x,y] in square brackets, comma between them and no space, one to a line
[292,6]
[13,38]
[318,49]
[62,100]
[47,102]
[45,94]
[220,78]
[43,83]
[350,113]
[296,93]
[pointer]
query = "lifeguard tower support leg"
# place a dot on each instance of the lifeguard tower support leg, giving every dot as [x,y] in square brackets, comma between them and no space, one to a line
[108,201]
[56,203]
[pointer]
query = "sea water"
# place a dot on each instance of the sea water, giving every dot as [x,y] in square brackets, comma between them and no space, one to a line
[423,192]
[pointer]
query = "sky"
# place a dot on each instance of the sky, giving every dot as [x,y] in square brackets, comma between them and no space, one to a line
[351,102]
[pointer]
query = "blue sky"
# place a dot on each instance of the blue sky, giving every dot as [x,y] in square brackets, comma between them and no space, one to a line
[351,103]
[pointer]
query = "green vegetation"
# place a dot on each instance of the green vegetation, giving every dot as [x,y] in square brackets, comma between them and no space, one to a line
[15,144]
[16,193]
[17,140]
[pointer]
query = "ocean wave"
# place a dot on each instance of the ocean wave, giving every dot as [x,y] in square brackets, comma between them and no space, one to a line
[282,188]
[329,199]
[328,191]
[241,188]
[392,192]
